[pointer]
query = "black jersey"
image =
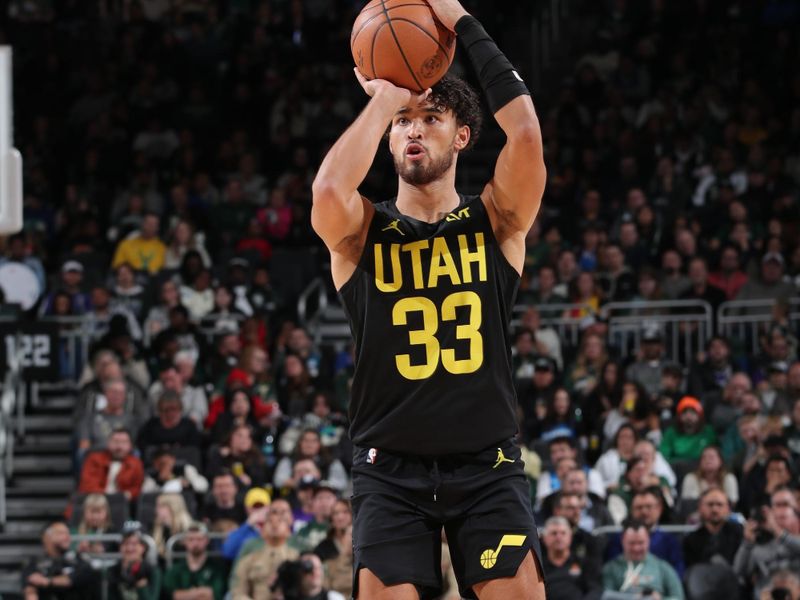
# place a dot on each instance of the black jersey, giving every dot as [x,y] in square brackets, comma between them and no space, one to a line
[429,306]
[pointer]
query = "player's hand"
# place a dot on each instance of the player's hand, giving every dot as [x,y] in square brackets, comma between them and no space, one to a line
[398,96]
[448,12]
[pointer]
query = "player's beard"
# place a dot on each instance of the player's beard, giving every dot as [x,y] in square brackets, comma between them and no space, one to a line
[416,173]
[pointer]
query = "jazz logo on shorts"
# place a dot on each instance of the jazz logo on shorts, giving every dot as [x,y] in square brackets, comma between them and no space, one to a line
[489,556]
[372,455]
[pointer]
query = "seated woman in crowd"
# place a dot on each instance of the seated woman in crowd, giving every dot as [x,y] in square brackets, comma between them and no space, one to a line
[239,455]
[711,472]
[133,576]
[96,519]
[612,463]
[239,410]
[309,446]
[172,517]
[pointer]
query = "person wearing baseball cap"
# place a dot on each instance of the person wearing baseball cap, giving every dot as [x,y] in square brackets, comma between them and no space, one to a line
[256,505]
[685,439]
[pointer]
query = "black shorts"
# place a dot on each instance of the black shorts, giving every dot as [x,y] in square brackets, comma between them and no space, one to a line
[401,503]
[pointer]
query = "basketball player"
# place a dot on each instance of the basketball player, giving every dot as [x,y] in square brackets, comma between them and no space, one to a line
[428,281]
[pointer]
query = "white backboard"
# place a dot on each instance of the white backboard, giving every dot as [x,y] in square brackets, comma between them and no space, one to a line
[10,158]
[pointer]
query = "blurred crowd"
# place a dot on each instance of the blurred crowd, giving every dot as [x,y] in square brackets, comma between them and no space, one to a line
[169,150]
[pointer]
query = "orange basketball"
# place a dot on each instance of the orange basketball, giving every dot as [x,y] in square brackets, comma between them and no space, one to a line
[402,41]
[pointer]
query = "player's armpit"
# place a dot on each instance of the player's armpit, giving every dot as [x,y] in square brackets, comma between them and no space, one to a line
[519,178]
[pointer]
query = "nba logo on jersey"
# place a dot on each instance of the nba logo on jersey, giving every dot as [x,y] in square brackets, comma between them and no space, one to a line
[371,455]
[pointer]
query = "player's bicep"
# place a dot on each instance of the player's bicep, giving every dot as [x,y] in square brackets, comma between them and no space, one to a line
[520,174]
[337,219]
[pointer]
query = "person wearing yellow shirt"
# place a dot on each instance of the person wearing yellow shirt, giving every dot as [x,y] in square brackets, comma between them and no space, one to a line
[144,252]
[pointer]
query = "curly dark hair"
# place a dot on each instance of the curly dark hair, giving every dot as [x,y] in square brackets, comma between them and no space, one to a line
[453,93]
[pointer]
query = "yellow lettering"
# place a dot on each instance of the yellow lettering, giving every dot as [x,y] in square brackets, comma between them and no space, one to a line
[380,280]
[442,263]
[463,213]
[476,256]
[415,249]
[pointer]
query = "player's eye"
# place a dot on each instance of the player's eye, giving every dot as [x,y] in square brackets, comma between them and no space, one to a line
[431,119]
[402,121]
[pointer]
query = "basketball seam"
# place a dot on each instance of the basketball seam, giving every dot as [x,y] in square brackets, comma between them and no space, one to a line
[426,32]
[399,47]
[354,35]
[372,48]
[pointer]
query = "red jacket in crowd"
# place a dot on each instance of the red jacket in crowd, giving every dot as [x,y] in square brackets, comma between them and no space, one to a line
[94,474]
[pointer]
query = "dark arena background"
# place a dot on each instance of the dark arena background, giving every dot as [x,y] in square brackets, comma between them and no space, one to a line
[176,363]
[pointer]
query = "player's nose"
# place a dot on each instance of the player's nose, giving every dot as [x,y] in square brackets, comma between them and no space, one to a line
[415,130]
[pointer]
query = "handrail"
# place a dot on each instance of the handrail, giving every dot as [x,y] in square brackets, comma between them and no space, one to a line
[169,547]
[152,550]
[745,320]
[9,401]
[681,529]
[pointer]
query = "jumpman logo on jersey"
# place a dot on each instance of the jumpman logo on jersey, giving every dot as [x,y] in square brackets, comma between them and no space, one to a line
[501,458]
[394,225]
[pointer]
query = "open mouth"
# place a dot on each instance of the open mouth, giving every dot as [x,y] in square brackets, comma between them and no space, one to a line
[415,151]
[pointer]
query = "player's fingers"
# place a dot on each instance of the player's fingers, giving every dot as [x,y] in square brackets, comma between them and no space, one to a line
[424,96]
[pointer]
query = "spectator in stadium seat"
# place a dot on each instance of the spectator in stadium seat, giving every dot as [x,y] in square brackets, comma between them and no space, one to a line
[256,505]
[133,575]
[181,240]
[127,292]
[611,464]
[636,570]
[241,457]
[198,575]
[771,542]
[648,507]
[193,398]
[309,447]
[254,572]
[593,513]
[718,537]
[770,283]
[729,277]
[700,288]
[168,427]
[71,279]
[583,374]
[638,478]
[568,576]
[724,406]
[673,282]
[96,427]
[95,519]
[710,473]
[224,357]
[114,469]
[143,251]
[545,338]
[312,533]
[684,441]
[713,371]
[764,479]
[167,474]
[223,511]
[616,280]
[535,395]
[647,370]
[158,315]
[60,573]
[783,583]
[182,330]
[171,518]
[585,546]
[239,409]
[104,309]
[562,445]
[545,290]
[197,295]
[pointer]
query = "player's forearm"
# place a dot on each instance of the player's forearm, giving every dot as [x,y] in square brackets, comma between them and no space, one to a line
[349,160]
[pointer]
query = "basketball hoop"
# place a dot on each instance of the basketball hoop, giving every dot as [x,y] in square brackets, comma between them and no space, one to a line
[10,158]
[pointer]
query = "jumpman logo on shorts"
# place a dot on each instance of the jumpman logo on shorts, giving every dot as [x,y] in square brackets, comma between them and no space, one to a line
[395,226]
[501,458]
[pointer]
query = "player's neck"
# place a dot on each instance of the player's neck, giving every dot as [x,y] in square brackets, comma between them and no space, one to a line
[428,203]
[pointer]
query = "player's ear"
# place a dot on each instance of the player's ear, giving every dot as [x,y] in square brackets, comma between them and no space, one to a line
[463,135]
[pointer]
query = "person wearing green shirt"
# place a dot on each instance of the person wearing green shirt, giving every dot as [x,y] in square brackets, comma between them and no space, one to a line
[685,440]
[197,577]
[636,572]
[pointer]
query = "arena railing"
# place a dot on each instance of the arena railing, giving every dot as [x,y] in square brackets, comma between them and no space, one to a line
[566,319]
[686,325]
[170,553]
[744,321]
[676,529]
